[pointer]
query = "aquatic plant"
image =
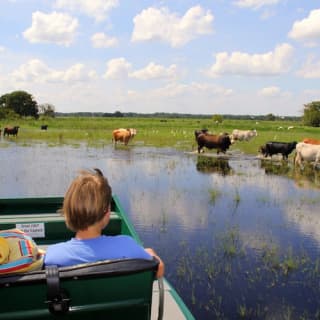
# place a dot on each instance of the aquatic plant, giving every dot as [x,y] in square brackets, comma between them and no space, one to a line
[237,197]
[214,194]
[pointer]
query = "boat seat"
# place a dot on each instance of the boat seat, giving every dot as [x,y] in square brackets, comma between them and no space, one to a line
[51,225]
[111,289]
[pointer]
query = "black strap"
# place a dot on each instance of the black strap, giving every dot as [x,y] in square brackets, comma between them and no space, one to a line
[161,298]
[57,298]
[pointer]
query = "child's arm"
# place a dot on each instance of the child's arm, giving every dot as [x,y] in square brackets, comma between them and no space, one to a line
[160,271]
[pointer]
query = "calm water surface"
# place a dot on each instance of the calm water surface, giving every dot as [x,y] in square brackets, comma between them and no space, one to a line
[238,240]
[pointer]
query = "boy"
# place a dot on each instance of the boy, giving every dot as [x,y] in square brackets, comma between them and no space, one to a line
[86,208]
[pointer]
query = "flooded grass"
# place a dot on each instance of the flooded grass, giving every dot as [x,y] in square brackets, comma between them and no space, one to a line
[173,132]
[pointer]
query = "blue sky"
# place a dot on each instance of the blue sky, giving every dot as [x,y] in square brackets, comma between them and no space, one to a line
[209,57]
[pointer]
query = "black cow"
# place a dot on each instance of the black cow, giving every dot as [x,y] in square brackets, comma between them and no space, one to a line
[11,131]
[274,147]
[44,127]
[197,132]
[220,142]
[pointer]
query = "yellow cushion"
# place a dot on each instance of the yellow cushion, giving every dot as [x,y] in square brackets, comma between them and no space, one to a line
[23,252]
[4,250]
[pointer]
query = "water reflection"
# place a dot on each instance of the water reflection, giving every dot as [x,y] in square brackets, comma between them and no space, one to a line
[207,164]
[308,177]
[275,167]
[252,253]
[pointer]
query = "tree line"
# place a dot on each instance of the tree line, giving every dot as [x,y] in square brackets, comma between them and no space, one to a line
[23,104]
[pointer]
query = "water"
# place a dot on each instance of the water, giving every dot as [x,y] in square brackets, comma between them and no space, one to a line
[239,236]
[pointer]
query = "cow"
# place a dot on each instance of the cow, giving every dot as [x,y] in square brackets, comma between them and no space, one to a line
[307,152]
[123,135]
[243,135]
[311,141]
[275,147]
[11,131]
[220,142]
[44,127]
[198,132]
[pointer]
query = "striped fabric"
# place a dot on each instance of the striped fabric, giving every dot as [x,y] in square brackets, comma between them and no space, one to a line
[23,253]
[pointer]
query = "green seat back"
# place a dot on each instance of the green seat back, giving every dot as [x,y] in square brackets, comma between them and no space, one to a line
[120,289]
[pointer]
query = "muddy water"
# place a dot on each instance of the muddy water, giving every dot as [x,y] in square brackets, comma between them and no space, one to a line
[240,236]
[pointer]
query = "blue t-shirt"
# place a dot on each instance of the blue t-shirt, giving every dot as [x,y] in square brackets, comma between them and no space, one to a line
[104,247]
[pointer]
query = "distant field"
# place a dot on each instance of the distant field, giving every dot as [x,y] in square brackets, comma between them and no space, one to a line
[177,133]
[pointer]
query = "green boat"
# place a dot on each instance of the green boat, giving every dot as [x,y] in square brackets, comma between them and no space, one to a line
[118,289]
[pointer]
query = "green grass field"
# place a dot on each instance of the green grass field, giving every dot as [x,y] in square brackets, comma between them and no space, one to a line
[177,133]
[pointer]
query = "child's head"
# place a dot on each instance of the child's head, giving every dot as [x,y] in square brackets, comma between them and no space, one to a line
[87,200]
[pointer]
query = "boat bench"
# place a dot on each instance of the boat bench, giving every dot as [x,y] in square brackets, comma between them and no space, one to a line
[117,289]
[47,228]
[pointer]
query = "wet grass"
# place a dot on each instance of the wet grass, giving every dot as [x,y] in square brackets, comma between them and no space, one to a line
[228,287]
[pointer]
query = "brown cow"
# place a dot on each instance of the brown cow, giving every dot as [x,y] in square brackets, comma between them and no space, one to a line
[123,135]
[220,142]
[311,141]
[11,131]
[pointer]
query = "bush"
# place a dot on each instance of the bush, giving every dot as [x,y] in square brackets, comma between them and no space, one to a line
[311,115]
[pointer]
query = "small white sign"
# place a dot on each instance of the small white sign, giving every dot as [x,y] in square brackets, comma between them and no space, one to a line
[34,230]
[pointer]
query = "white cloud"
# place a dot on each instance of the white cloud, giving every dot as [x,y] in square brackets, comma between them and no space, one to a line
[155,71]
[270,91]
[117,69]
[240,63]
[37,71]
[2,49]
[99,9]
[311,94]
[55,27]
[310,69]
[194,89]
[195,97]
[101,40]
[255,4]
[161,24]
[274,92]
[78,72]
[307,30]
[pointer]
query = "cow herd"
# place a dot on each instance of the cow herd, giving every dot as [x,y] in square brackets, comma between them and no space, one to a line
[308,150]
[221,141]
[13,131]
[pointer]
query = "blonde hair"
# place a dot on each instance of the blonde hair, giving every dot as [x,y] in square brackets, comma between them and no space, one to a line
[87,200]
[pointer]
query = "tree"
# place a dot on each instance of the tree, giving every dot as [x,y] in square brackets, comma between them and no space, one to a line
[47,109]
[21,102]
[6,113]
[311,114]
[217,118]
[118,114]
[270,117]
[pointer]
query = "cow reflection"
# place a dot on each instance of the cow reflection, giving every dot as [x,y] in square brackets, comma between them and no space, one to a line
[213,165]
[307,178]
[277,168]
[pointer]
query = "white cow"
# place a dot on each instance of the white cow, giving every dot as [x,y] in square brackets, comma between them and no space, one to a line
[243,135]
[307,152]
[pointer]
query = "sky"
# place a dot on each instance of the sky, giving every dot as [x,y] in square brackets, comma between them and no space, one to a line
[241,57]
